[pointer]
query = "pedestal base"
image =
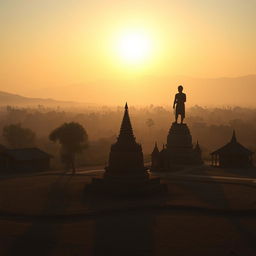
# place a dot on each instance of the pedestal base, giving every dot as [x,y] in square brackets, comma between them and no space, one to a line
[179,151]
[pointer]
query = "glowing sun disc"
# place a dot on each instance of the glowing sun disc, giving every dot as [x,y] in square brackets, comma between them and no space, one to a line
[134,47]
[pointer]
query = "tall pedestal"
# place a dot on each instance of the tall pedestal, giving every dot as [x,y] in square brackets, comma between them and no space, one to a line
[179,146]
[179,150]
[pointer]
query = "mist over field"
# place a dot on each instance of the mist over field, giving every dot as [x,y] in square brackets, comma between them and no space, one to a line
[212,127]
[88,88]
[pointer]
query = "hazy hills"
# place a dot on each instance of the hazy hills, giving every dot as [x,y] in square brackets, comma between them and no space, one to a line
[224,91]
[238,91]
[160,91]
[17,100]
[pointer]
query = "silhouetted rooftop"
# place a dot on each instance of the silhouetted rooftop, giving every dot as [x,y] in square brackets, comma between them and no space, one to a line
[155,150]
[233,147]
[23,154]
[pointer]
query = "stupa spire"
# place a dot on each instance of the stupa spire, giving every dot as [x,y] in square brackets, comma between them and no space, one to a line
[155,150]
[126,131]
[197,147]
[234,140]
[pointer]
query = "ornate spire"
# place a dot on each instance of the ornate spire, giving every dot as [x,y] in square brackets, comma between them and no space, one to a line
[155,150]
[197,147]
[126,132]
[234,140]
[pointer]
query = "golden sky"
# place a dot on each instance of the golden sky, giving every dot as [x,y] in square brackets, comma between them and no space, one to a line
[59,43]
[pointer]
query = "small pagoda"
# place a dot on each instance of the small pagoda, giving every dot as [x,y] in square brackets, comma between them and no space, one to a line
[232,155]
[126,173]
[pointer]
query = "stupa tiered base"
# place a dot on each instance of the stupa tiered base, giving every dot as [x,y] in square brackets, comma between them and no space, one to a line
[126,186]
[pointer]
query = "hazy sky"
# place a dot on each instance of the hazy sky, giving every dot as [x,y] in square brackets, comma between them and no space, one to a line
[57,43]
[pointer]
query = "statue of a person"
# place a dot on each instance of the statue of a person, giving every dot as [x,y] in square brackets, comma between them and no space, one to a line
[179,103]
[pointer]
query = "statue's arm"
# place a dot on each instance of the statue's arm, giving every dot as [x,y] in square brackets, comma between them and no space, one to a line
[185,97]
[175,101]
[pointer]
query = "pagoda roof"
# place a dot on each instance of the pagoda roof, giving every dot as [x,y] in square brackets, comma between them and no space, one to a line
[163,149]
[233,147]
[197,147]
[26,154]
[126,131]
[126,140]
[155,150]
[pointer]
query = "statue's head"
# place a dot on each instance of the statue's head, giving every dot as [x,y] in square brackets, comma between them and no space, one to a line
[180,88]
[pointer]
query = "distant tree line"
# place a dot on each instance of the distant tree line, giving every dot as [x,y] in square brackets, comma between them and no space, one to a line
[27,127]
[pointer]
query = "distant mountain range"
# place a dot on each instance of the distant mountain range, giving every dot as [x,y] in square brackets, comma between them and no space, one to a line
[226,91]
[17,100]
[145,90]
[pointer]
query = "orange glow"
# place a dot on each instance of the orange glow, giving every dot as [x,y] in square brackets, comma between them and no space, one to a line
[123,47]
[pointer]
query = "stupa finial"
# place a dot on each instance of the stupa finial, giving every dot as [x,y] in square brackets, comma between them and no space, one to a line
[234,140]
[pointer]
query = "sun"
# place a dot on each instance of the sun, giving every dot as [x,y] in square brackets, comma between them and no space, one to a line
[134,47]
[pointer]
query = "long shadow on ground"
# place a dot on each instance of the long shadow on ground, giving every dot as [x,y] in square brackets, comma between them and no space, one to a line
[39,239]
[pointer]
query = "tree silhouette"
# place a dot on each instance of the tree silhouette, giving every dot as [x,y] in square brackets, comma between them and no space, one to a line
[18,137]
[73,139]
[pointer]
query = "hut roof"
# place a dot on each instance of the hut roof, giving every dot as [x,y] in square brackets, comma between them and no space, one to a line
[26,154]
[233,147]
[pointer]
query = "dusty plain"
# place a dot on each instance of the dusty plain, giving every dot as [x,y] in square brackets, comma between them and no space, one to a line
[49,214]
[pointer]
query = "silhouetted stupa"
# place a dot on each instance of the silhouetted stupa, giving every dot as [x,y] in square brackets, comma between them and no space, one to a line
[179,150]
[126,157]
[125,173]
